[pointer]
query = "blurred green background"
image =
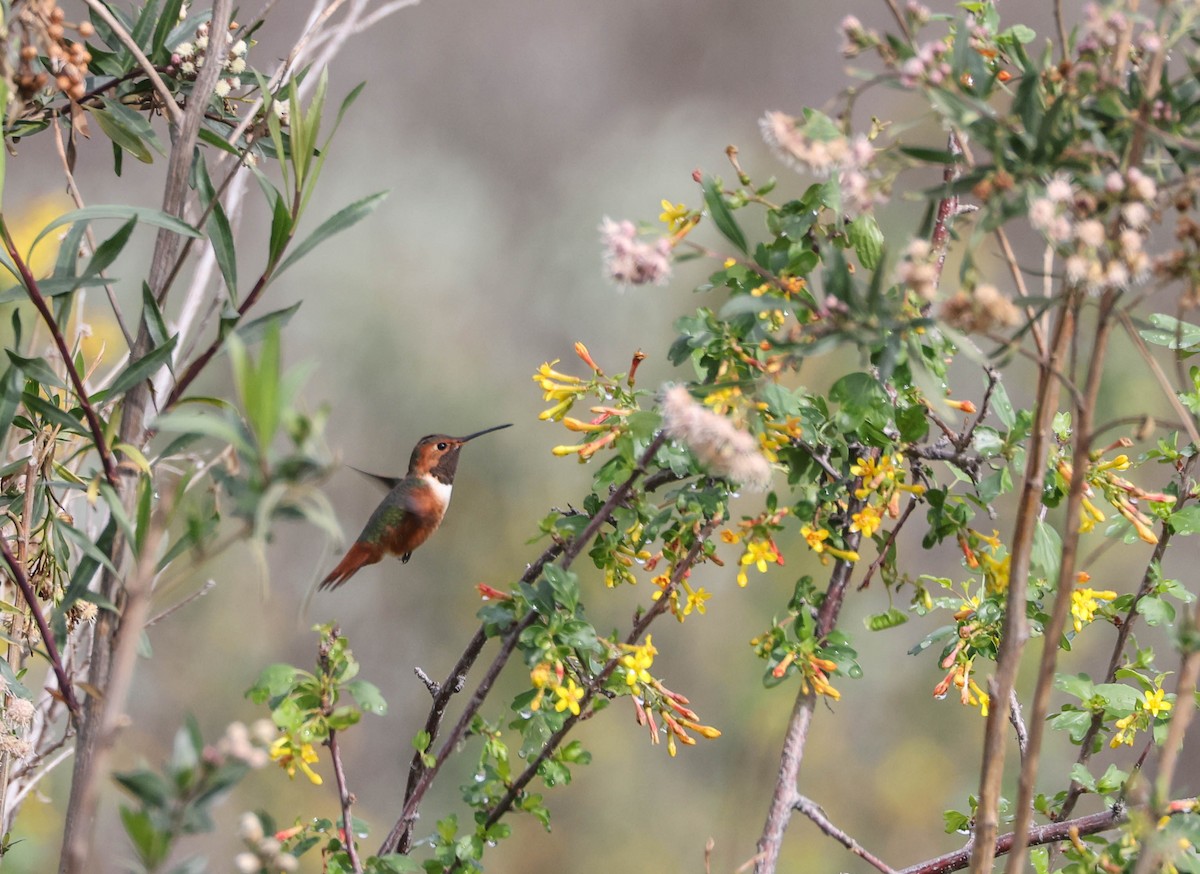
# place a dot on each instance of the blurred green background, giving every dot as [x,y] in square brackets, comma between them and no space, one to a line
[505,131]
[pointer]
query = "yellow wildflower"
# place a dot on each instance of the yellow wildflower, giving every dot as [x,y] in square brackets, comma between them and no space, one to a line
[1084,603]
[758,553]
[569,695]
[1155,702]
[995,572]
[637,661]
[673,215]
[291,755]
[695,600]
[867,521]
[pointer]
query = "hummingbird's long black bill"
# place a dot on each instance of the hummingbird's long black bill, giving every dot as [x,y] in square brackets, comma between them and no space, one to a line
[484,431]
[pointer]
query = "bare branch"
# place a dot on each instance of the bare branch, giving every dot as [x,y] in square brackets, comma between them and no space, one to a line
[814,812]
[64,351]
[65,687]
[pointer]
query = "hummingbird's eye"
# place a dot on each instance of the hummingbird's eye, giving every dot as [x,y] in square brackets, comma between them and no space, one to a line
[442,446]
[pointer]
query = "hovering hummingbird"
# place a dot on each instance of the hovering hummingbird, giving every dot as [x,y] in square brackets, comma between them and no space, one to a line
[412,510]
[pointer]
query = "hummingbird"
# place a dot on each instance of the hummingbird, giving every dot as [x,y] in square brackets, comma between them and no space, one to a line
[413,508]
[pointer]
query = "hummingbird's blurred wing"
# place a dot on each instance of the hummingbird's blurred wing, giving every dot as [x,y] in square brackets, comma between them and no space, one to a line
[388,482]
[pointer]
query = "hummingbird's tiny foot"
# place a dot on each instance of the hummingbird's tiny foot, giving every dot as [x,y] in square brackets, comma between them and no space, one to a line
[432,685]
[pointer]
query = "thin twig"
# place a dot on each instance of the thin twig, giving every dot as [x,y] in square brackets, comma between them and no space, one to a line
[169,106]
[1188,420]
[194,596]
[65,687]
[887,544]
[77,197]
[64,351]
[1018,722]
[900,20]
[1062,30]
[346,799]
[1016,631]
[814,812]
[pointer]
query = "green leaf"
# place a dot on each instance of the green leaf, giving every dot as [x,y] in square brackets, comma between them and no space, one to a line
[106,253]
[273,681]
[151,843]
[136,371]
[1047,551]
[194,422]
[565,585]
[367,695]
[881,621]
[36,369]
[721,215]
[1187,520]
[1171,332]
[11,387]
[1155,611]
[219,231]
[152,317]
[162,27]
[54,414]
[867,240]
[146,215]
[341,220]
[120,134]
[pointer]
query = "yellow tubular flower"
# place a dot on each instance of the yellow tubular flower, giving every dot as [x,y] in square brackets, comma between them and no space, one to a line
[673,215]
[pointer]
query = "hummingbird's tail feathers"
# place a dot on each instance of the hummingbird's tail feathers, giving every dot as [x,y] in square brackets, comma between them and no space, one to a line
[357,556]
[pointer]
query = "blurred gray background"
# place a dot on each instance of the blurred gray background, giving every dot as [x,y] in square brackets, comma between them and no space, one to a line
[505,132]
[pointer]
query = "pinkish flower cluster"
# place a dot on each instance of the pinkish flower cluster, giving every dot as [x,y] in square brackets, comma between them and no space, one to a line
[980,311]
[856,37]
[631,261]
[1101,250]
[918,272]
[721,447]
[927,66]
[851,158]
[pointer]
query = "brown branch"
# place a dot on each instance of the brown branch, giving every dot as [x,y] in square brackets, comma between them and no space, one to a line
[901,23]
[887,544]
[1093,823]
[814,812]
[1016,629]
[112,656]
[60,342]
[346,799]
[785,794]
[1083,421]
[1188,420]
[19,576]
